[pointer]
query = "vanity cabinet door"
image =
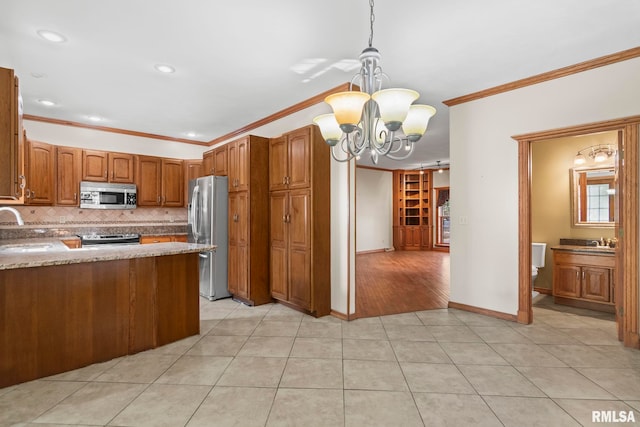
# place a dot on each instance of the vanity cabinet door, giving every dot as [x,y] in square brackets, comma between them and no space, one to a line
[566,281]
[596,283]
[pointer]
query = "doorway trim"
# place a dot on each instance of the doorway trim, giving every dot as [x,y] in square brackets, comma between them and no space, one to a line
[627,255]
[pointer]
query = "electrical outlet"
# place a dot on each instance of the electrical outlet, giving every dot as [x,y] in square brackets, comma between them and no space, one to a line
[62,220]
[463,219]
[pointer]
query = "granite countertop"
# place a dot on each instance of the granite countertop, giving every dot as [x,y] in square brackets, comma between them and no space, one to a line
[602,250]
[58,253]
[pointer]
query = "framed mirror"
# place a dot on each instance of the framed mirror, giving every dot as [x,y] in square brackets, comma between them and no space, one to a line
[592,196]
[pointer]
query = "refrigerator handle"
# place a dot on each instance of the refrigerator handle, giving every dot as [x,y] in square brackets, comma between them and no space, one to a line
[194,209]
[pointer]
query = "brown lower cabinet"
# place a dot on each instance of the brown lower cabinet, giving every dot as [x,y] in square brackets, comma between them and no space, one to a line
[584,280]
[63,317]
[248,265]
[301,225]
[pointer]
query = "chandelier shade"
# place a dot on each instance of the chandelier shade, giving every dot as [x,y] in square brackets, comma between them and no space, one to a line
[347,108]
[415,125]
[393,105]
[329,128]
[381,121]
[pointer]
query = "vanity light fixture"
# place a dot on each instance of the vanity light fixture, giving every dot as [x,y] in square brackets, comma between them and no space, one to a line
[440,170]
[370,119]
[598,153]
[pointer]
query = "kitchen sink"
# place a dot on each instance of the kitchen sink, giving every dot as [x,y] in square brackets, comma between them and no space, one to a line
[29,248]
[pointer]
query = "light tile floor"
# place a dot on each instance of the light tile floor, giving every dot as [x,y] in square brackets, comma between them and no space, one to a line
[272,366]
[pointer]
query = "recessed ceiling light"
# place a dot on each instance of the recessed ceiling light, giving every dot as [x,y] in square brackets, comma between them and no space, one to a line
[36,75]
[191,134]
[47,102]
[52,36]
[164,68]
[94,118]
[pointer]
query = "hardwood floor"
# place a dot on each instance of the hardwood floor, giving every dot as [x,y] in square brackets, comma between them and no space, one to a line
[401,281]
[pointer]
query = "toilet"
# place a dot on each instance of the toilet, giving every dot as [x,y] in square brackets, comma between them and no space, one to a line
[537,261]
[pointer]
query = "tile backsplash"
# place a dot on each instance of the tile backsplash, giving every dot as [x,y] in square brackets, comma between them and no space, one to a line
[59,221]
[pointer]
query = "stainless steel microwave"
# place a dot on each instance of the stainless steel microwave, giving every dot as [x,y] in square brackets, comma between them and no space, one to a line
[106,195]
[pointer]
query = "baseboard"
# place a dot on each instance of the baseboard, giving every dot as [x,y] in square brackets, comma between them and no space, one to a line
[373,251]
[339,315]
[545,291]
[483,311]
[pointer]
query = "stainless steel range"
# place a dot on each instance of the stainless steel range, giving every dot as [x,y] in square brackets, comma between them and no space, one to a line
[110,239]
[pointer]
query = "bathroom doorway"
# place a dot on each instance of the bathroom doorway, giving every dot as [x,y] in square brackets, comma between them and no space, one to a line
[626,280]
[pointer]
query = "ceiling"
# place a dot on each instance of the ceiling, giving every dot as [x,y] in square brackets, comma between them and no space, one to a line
[238,62]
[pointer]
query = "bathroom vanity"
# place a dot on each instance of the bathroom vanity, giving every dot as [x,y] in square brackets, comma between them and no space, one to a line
[584,276]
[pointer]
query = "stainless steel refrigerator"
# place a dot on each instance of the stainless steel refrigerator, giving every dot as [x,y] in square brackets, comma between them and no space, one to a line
[207,224]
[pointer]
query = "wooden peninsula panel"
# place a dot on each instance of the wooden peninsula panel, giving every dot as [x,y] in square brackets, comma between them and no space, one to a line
[62,317]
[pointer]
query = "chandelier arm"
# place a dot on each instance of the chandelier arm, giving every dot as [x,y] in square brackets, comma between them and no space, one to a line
[333,154]
[409,153]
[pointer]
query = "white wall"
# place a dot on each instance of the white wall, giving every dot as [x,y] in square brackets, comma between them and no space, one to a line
[374,209]
[484,172]
[72,136]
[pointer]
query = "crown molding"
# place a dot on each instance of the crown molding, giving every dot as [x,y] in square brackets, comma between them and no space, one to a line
[551,75]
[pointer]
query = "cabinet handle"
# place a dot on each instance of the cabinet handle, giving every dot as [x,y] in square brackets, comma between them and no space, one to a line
[284,218]
[27,193]
[75,196]
[284,180]
[106,175]
[33,194]
[158,199]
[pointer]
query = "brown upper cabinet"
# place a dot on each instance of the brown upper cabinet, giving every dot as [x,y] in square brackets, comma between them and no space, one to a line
[160,181]
[103,166]
[238,157]
[11,140]
[68,174]
[40,167]
[290,160]
[192,169]
[215,162]
[221,161]
[208,162]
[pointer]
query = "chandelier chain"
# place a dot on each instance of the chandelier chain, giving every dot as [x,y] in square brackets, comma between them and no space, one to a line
[373,18]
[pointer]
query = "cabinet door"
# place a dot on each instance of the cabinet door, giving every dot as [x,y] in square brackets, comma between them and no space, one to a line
[232,265]
[69,170]
[596,283]
[425,238]
[40,173]
[278,155]
[149,177]
[208,163]
[11,135]
[242,207]
[566,280]
[299,164]
[192,170]
[95,165]
[242,171]
[278,233]
[172,183]
[232,157]
[299,221]
[121,168]
[220,161]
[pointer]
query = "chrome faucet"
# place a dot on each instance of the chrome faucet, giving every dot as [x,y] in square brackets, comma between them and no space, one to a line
[15,212]
[597,242]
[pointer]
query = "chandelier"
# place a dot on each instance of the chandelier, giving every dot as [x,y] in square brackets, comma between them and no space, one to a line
[598,153]
[381,121]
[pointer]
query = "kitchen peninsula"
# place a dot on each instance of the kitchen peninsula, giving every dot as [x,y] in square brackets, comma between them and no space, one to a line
[64,308]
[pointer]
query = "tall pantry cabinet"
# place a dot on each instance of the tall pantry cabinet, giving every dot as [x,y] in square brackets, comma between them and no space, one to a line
[248,266]
[299,184]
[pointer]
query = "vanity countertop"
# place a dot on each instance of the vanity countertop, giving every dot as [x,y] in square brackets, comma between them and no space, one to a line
[595,250]
[57,253]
